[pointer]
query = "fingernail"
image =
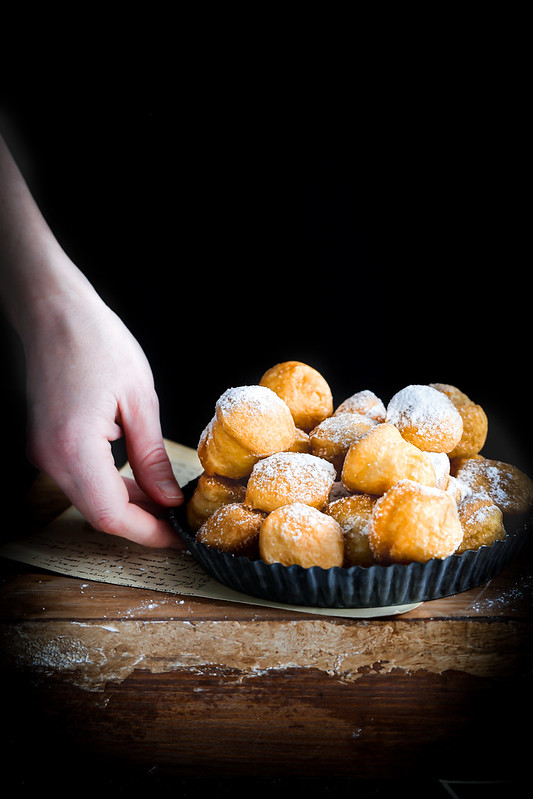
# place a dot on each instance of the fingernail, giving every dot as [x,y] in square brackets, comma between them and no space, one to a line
[170,489]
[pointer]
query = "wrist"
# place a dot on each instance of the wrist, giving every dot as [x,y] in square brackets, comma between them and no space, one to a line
[52,291]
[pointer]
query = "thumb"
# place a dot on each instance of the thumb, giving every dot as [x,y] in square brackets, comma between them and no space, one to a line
[149,460]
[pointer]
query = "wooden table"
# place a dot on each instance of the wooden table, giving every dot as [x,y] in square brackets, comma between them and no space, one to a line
[103,676]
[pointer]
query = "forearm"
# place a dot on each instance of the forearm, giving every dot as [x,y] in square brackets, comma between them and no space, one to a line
[36,276]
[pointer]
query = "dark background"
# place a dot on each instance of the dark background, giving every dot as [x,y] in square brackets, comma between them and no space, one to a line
[234,224]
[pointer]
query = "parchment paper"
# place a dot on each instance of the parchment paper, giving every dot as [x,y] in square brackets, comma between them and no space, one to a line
[70,546]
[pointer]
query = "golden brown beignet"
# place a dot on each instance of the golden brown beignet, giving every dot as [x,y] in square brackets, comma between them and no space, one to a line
[287,477]
[382,458]
[426,417]
[211,492]
[482,522]
[233,528]
[506,485]
[302,442]
[354,513]
[219,454]
[412,522]
[364,402]
[456,463]
[441,464]
[332,438]
[304,389]
[475,423]
[250,422]
[456,489]
[303,535]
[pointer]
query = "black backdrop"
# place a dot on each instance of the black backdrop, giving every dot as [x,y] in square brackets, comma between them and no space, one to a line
[235,227]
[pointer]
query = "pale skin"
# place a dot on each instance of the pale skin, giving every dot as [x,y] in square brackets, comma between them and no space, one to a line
[88,380]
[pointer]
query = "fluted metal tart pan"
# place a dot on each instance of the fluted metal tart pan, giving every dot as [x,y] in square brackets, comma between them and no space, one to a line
[375,586]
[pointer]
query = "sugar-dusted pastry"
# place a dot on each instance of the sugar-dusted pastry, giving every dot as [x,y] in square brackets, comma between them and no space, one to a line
[302,442]
[364,402]
[287,477]
[298,534]
[506,485]
[426,417]
[481,520]
[441,464]
[382,458]
[456,489]
[354,513]
[456,463]
[304,389]
[412,522]
[475,423]
[232,528]
[210,493]
[250,422]
[332,438]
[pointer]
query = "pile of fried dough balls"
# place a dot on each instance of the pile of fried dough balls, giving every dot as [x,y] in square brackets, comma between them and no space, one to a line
[291,480]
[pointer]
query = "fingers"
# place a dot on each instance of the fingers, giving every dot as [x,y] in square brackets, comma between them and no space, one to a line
[119,508]
[122,507]
[96,488]
[147,454]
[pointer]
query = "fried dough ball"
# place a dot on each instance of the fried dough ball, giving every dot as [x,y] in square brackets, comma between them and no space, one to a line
[412,522]
[218,453]
[366,403]
[475,423]
[232,528]
[482,522]
[303,388]
[302,442]
[288,477]
[457,489]
[506,485]
[441,464]
[426,417]
[456,463]
[211,492]
[250,422]
[303,535]
[382,458]
[332,438]
[354,513]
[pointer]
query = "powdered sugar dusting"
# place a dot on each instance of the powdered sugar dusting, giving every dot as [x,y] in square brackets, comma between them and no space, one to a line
[287,477]
[441,464]
[342,430]
[297,468]
[507,486]
[302,516]
[366,403]
[499,481]
[300,523]
[422,490]
[518,596]
[258,400]
[422,406]
[426,417]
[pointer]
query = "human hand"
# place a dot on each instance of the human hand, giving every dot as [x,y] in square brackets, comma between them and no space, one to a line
[89,383]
